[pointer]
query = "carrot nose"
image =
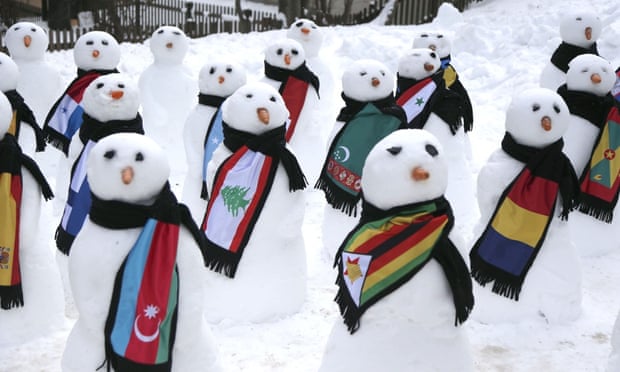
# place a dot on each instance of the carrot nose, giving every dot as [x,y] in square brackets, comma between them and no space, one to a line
[596,78]
[420,174]
[116,94]
[375,82]
[95,53]
[221,79]
[27,41]
[127,175]
[588,33]
[429,67]
[287,59]
[263,115]
[432,47]
[305,30]
[545,122]
[169,45]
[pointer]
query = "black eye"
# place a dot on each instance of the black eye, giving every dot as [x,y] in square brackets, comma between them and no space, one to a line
[109,154]
[99,85]
[382,73]
[139,157]
[299,24]
[160,31]
[433,55]
[249,95]
[556,108]
[122,86]
[104,42]
[212,70]
[228,69]
[313,26]
[535,107]
[16,28]
[279,52]
[272,99]
[439,36]
[294,52]
[33,29]
[363,73]
[584,70]
[578,18]
[90,42]
[176,32]
[432,150]
[394,150]
[604,69]
[424,35]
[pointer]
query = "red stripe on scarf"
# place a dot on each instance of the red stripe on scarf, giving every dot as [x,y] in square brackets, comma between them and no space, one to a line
[76,90]
[412,91]
[536,194]
[294,95]
[16,193]
[598,190]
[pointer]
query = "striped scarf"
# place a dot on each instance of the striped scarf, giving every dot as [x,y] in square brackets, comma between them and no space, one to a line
[213,136]
[11,162]
[565,52]
[241,187]
[65,117]
[389,247]
[23,115]
[516,232]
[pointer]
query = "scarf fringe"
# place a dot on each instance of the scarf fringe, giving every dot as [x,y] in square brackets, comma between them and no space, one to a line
[64,240]
[204,193]
[599,212]
[350,313]
[220,260]
[336,197]
[11,296]
[503,284]
[57,141]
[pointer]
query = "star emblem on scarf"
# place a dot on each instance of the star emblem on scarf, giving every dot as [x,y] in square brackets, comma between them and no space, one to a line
[609,154]
[151,311]
[63,110]
[353,270]
[419,101]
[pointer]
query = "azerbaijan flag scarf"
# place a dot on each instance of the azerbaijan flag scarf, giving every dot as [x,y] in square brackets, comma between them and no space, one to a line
[451,77]
[240,188]
[11,162]
[366,123]
[141,324]
[65,116]
[516,232]
[213,137]
[389,247]
[293,88]
[23,114]
[79,198]
[565,52]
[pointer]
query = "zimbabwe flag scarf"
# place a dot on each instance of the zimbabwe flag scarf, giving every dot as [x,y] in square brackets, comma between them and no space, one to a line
[241,186]
[600,180]
[451,77]
[366,123]
[213,136]
[293,88]
[141,324]
[516,232]
[11,162]
[23,114]
[565,52]
[78,198]
[65,116]
[389,247]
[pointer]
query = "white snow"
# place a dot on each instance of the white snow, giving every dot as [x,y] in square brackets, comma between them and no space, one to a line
[499,49]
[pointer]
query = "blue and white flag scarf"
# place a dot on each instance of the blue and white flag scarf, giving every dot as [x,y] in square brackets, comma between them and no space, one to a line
[213,137]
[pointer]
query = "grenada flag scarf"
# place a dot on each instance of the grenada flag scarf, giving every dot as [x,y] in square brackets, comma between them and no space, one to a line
[366,123]
[78,198]
[516,232]
[65,116]
[294,89]
[451,77]
[241,186]
[213,137]
[141,324]
[565,52]
[11,162]
[23,114]
[389,247]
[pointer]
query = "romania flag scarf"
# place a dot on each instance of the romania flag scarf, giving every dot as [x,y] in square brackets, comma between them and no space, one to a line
[451,77]
[78,198]
[65,116]
[366,123]
[23,114]
[294,89]
[389,247]
[213,137]
[241,187]
[516,232]
[565,52]
[11,162]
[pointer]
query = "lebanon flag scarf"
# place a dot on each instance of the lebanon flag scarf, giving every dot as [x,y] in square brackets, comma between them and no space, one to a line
[516,232]
[565,52]
[366,123]
[451,77]
[11,162]
[23,114]
[65,116]
[293,88]
[241,186]
[79,198]
[141,324]
[389,247]
[213,137]
[421,97]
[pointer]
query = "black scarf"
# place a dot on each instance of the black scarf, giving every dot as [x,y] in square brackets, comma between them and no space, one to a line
[210,100]
[302,73]
[25,115]
[587,105]
[94,130]
[386,105]
[565,52]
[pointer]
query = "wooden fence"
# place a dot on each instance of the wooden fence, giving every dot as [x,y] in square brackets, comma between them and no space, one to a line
[415,12]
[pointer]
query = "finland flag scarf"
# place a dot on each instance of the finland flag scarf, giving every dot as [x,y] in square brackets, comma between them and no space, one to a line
[141,324]
[294,89]
[451,77]
[65,117]
[241,186]
[213,136]
[11,162]
[565,52]
[506,250]
[23,114]
[389,247]
[79,198]
[366,123]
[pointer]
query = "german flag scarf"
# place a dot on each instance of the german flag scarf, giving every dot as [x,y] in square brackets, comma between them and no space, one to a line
[420,98]
[213,136]
[565,52]
[515,233]
[78,198]
[389,247]
[65,116]
[11,162]
[366,123]
[141,324]
[23,114]
[241,186]
[293,88]
[451,77]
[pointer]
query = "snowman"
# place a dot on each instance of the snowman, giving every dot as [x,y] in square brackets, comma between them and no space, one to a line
[202,133]
[579,30]
[29,279]
[613,364]
[255,213]
[134,269]
[39,81]
[370,113]
[404,288]
[524,246]
[592,140]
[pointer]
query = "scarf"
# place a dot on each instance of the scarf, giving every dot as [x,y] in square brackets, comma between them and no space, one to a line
[79,198]
[213,136]
[389,247]
[566,52]
[65,116]
[421,97]
[615,91]
[23,114]
[515,233]
[241,187]
[293,88]
[11,162]
[451,77]
[141,324]
[366,123]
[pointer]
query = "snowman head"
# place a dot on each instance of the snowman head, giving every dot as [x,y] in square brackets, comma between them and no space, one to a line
[308,34]
[96,50]
[590,73]
[111,97]
[169,45]
[581,27]
[367,80]
[436,41]
[6,115]
[26,41]
[418,64]
[9,73]
[221,78]
[287,54]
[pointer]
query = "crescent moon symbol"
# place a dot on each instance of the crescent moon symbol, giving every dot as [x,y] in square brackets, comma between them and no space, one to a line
[347,153]
[141,336]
